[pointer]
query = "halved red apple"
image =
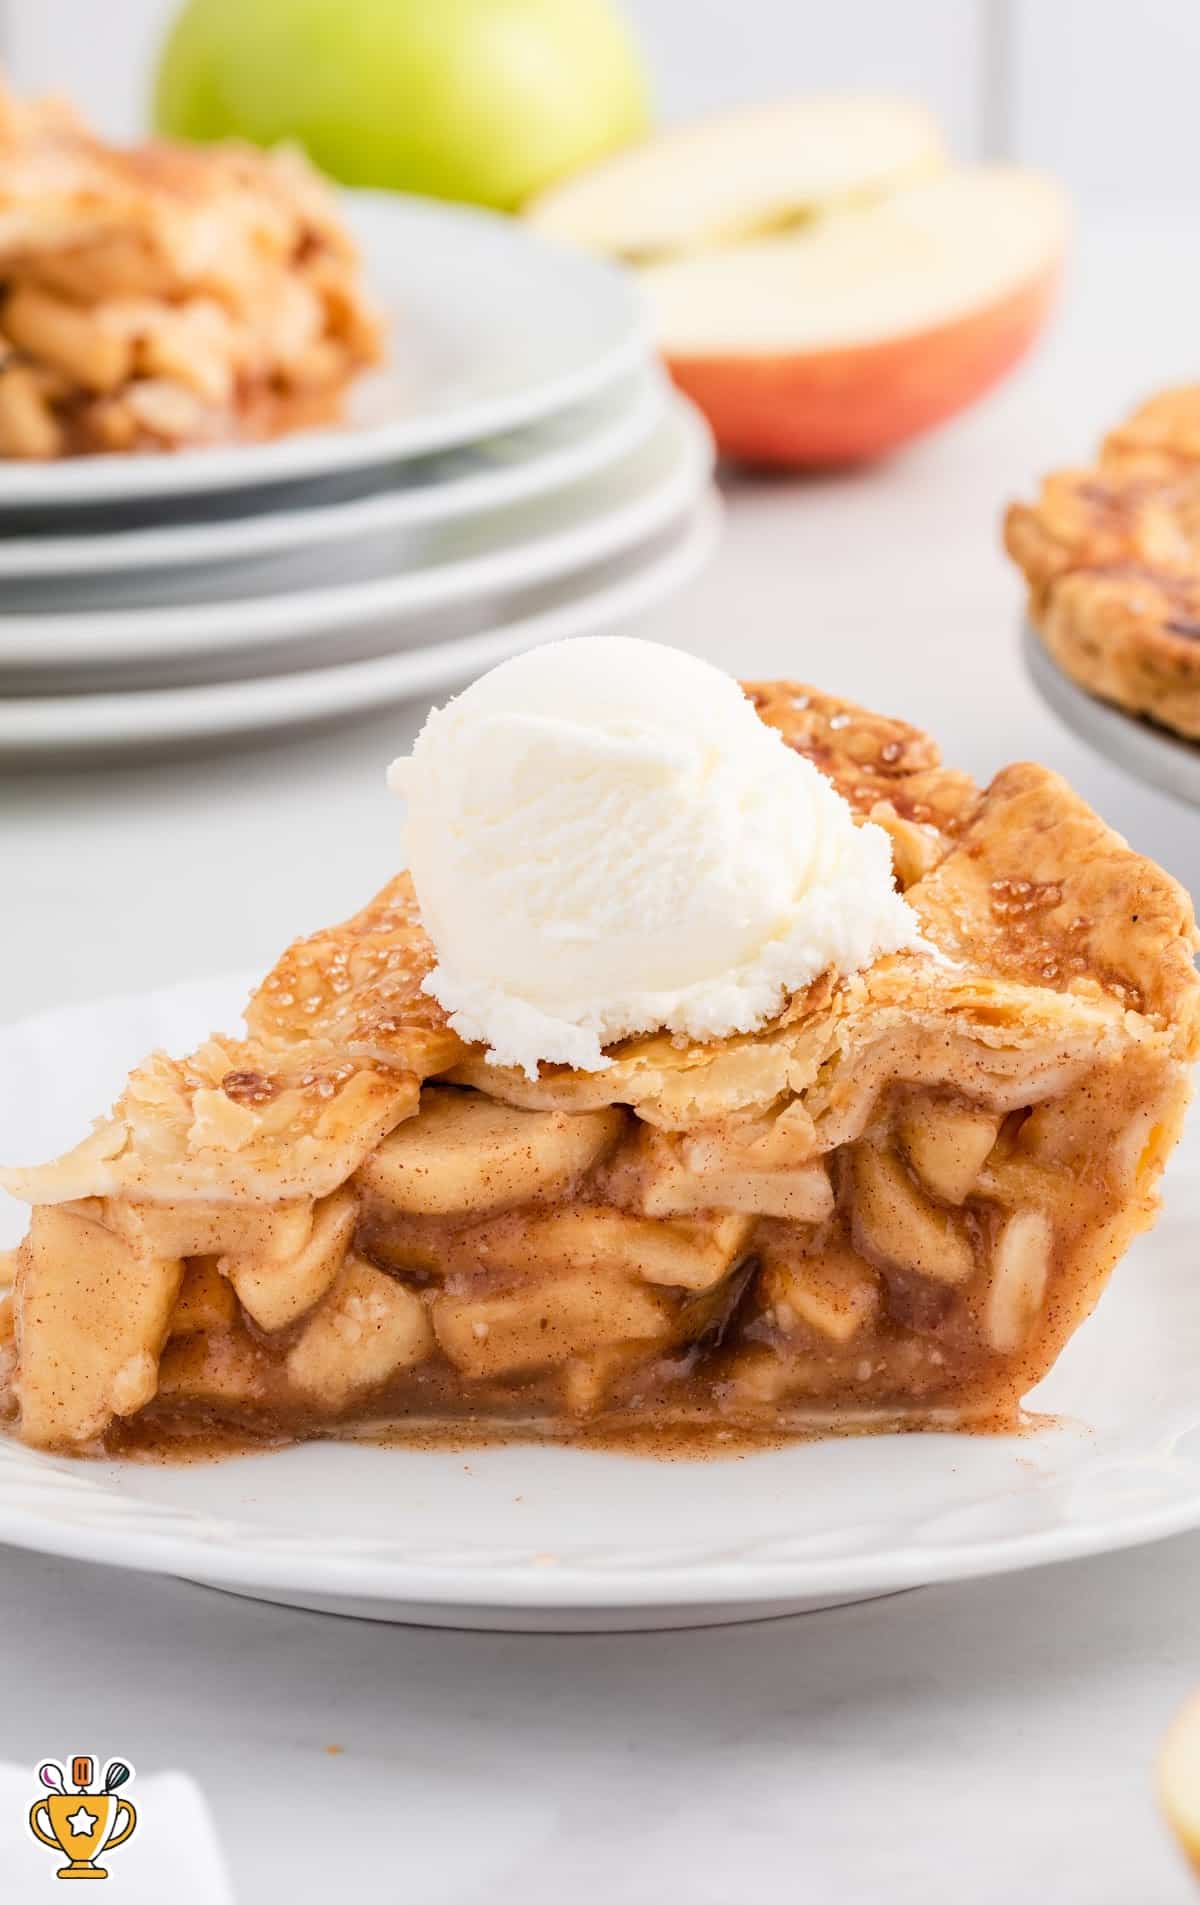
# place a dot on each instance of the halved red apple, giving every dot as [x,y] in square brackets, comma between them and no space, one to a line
[819,286]
[739,174]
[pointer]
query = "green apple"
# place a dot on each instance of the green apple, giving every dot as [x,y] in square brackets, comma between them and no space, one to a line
[483,100]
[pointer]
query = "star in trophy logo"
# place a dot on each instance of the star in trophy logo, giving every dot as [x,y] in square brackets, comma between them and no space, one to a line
[79,1822]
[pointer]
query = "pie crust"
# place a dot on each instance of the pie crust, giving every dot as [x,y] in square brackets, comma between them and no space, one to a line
[888,1208]
[1112,558]
[159,296]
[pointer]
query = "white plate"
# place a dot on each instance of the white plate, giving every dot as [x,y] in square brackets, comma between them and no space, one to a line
[1147,752]
[529,544]
[488,327]
[605,601]
[558,1538]
[492,474]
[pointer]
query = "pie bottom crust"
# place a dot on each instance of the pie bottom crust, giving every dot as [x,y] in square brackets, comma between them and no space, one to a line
[889,1208]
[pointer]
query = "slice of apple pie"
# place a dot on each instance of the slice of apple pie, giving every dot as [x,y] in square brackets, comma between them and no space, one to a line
[888,1207]
[164,295]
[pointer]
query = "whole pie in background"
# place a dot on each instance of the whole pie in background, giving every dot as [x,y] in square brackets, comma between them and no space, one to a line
[1112,558]
[160,296]
[889,1207]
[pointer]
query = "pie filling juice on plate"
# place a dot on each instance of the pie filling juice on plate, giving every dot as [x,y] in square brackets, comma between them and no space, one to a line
[723,1061]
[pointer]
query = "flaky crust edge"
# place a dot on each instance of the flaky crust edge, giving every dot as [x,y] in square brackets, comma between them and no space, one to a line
[1026,888]
[1110,633]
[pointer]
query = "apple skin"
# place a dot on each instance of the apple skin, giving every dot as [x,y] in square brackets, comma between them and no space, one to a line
[481,100]
[822,409]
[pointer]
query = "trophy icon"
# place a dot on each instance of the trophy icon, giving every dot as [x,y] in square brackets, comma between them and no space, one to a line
[82,1824]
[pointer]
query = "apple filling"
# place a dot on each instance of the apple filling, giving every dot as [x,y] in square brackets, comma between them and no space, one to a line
[162,296]
[538,1266]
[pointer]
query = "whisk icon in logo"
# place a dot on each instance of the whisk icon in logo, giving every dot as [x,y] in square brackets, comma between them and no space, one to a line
[81,1823]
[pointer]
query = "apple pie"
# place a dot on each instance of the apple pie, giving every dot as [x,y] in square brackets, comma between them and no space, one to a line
[163,295]
[888,1208]
[1112,558]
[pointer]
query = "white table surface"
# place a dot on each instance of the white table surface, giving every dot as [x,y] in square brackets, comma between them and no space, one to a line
[958,1746]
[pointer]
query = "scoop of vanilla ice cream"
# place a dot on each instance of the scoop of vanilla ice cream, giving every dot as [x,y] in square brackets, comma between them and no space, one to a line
[605,839]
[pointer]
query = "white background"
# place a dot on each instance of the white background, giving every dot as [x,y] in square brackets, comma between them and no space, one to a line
[990,1744]
[1101,90]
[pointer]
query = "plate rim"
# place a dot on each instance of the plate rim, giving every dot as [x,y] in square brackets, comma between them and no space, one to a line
[239,706]
[102,552]
[47,641]
[306,453]
[214,1547]
[1154,756]
[532,1584]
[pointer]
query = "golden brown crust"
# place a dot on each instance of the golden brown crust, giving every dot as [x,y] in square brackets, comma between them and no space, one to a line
[1132,638]
[1051,925]
[1160,438]
[870,758]
[1040,890]
[1093,519]
[357,988]
[1112,558]
[62,188]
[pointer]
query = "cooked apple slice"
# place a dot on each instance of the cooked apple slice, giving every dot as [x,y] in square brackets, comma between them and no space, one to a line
[206,1301]
[947,1144]
[225,1370]
[276,1291]
[571,1315]
[90,1304]
[740,174]
[892,1223]
[368,1327]
[465,1152]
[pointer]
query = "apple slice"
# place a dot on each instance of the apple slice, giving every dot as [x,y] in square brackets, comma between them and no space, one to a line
[1179,1779]
[741,174]
[843,340]
[818,285]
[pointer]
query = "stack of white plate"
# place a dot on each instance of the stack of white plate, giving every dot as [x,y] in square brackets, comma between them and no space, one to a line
[518,471]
